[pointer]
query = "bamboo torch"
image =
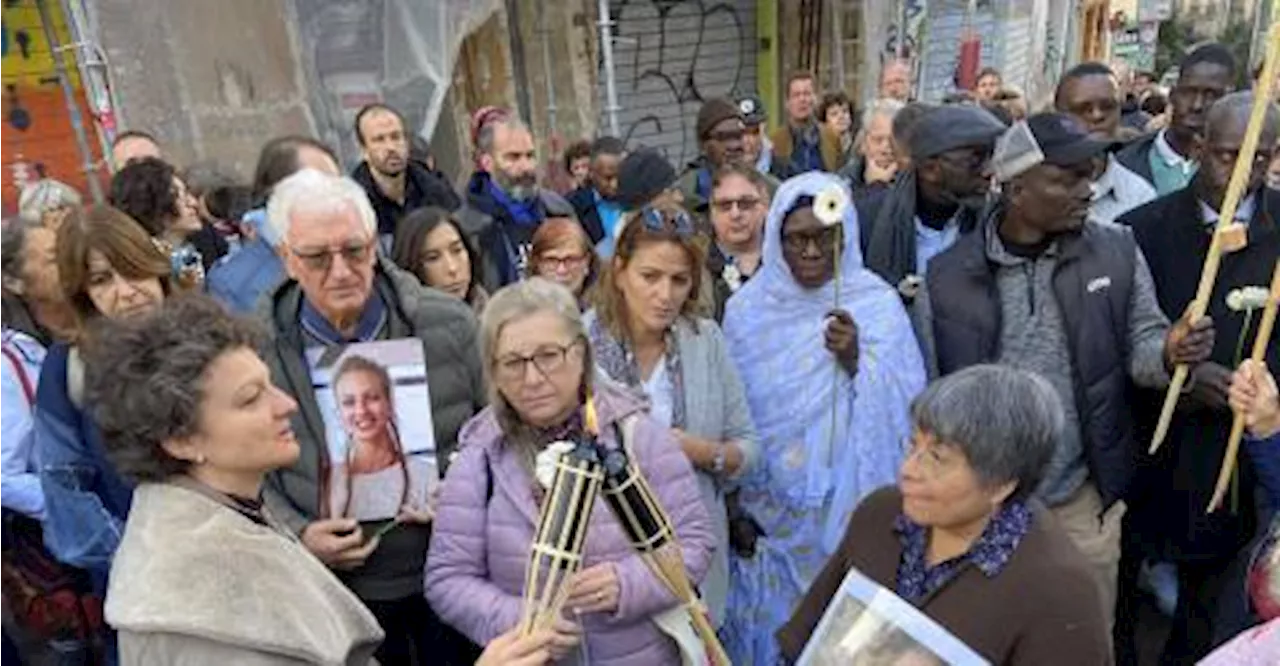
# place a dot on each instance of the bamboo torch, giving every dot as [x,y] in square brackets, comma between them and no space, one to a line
[1260,345]
[652,536]
[556,553]
[1227,233]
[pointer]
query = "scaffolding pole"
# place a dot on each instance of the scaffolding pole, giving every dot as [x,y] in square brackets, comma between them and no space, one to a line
[73,109]
[606,50]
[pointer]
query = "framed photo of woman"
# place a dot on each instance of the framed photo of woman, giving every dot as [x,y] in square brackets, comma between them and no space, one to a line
[376,407]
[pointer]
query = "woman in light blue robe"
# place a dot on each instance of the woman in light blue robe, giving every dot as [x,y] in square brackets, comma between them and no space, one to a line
[827,437]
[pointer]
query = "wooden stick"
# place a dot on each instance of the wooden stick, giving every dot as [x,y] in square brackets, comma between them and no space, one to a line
[1226,216]
[1260,345]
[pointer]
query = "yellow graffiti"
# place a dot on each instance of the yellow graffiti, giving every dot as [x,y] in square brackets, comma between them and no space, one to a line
[28,60]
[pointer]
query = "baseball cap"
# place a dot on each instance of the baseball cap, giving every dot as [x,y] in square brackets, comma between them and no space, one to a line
[1044,138]
[752,109]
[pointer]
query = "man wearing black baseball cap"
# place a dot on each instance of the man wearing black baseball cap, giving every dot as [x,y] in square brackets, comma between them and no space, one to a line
[755,137]
[1041,287]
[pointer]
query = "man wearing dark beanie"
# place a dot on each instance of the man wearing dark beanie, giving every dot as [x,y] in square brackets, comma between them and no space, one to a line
[720,129]
[645,177]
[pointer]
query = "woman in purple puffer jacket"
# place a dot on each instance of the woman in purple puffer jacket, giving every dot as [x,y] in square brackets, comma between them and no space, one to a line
[539,365]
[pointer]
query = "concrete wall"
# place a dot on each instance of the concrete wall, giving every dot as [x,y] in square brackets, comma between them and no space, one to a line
[212,80]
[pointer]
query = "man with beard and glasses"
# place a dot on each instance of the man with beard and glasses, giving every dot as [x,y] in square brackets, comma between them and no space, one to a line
[396,185]
[1168,159]
[596,201]
[1090,93]
[935,200]
[721,133]
[1040,287]
[1167,518]
[504,204]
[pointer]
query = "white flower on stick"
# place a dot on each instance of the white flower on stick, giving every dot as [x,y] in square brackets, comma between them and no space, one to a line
[544,464]
[732,277]
[830,205]
[1247,299]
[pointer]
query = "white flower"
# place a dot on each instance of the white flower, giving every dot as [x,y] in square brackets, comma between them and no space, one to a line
[910,286]
[830,205]
[1248,298]
[544,464]
[732,277]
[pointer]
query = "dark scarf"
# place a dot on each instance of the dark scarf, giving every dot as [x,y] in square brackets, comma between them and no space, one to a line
[891,252]
[526,213]
[371,322]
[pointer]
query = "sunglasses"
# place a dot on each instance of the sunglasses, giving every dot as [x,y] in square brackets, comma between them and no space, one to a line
[670,221]
[321,261]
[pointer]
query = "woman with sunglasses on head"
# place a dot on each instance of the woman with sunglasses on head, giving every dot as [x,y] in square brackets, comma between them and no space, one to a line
[539,369]
[648,334]
[829,383]
[430,244]
[563,253]
[739,201]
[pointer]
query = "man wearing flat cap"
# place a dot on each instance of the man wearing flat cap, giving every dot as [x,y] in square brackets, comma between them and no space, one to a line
[720,130]
[1040,286]
[936,200]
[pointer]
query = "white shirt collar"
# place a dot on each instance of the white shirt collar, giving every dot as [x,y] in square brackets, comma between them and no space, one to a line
[1171,156]
[1244,210]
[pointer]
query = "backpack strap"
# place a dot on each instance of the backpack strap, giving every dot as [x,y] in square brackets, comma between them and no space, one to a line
[20,371]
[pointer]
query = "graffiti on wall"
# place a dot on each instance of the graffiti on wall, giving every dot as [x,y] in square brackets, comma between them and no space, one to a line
[38,139]
[669,57]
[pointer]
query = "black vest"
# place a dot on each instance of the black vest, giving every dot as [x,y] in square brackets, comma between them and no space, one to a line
[1092,283]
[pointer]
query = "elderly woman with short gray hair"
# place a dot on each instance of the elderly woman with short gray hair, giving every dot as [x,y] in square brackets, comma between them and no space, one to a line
[961,537]
[538,361]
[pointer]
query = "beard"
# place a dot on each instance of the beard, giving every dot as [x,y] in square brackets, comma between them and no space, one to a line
[521,187]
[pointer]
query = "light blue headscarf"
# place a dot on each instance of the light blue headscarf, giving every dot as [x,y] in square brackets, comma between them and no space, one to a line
[775,332]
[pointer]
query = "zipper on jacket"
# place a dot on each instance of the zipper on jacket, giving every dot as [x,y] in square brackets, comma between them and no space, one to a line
[1029,271]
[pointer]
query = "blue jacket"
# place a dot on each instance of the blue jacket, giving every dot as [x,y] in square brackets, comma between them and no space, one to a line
[86,500]
[240,279]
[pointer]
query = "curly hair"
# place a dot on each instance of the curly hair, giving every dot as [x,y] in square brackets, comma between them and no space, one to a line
[144,379]
[144,190]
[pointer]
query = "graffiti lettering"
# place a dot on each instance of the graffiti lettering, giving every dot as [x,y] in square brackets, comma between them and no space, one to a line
[669,57]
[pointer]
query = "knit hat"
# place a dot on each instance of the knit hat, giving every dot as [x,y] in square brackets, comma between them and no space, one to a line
[713,112]
[643,175]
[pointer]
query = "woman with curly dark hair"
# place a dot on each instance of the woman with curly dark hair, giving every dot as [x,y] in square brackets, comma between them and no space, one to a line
[150,191]
[204,574]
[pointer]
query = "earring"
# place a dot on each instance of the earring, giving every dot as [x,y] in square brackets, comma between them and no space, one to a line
[200,458]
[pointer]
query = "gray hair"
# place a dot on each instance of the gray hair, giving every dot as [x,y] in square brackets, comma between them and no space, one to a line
[311,190]
[45,196]
[484,142]
[878,107]
[144,379]
[517,301]
[13,250]
[1236,108]
[1006,421]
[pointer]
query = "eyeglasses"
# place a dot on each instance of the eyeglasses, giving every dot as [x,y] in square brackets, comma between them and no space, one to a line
[321,261]
[932,462]
[726,136]
[547,359]
[658,220]
[744,204]
[559,263]
[798,241]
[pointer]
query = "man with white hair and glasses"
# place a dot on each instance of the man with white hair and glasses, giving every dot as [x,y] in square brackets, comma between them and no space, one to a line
[339,292]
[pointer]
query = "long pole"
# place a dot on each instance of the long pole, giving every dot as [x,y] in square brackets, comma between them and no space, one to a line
[73,109]
[837,46]
[546,67]
[606,49]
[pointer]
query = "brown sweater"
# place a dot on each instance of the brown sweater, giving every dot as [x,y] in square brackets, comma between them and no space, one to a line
[1042,609]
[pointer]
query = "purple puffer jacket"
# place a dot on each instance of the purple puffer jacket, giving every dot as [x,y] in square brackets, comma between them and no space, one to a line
[476,566]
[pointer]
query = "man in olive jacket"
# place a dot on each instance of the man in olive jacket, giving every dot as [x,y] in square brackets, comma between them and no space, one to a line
[340,292]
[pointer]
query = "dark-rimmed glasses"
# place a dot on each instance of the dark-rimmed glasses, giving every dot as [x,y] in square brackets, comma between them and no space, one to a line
[744,204]
[546,359]
[825,238]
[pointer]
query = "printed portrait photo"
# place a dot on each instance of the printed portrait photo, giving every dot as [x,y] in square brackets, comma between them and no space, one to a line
[377,413]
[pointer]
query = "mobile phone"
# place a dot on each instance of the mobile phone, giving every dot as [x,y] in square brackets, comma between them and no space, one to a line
[385,529]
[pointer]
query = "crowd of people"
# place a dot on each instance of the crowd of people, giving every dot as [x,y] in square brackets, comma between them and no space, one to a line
[925,342]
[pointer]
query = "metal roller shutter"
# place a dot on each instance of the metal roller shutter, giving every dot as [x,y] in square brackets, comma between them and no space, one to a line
[671,56]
